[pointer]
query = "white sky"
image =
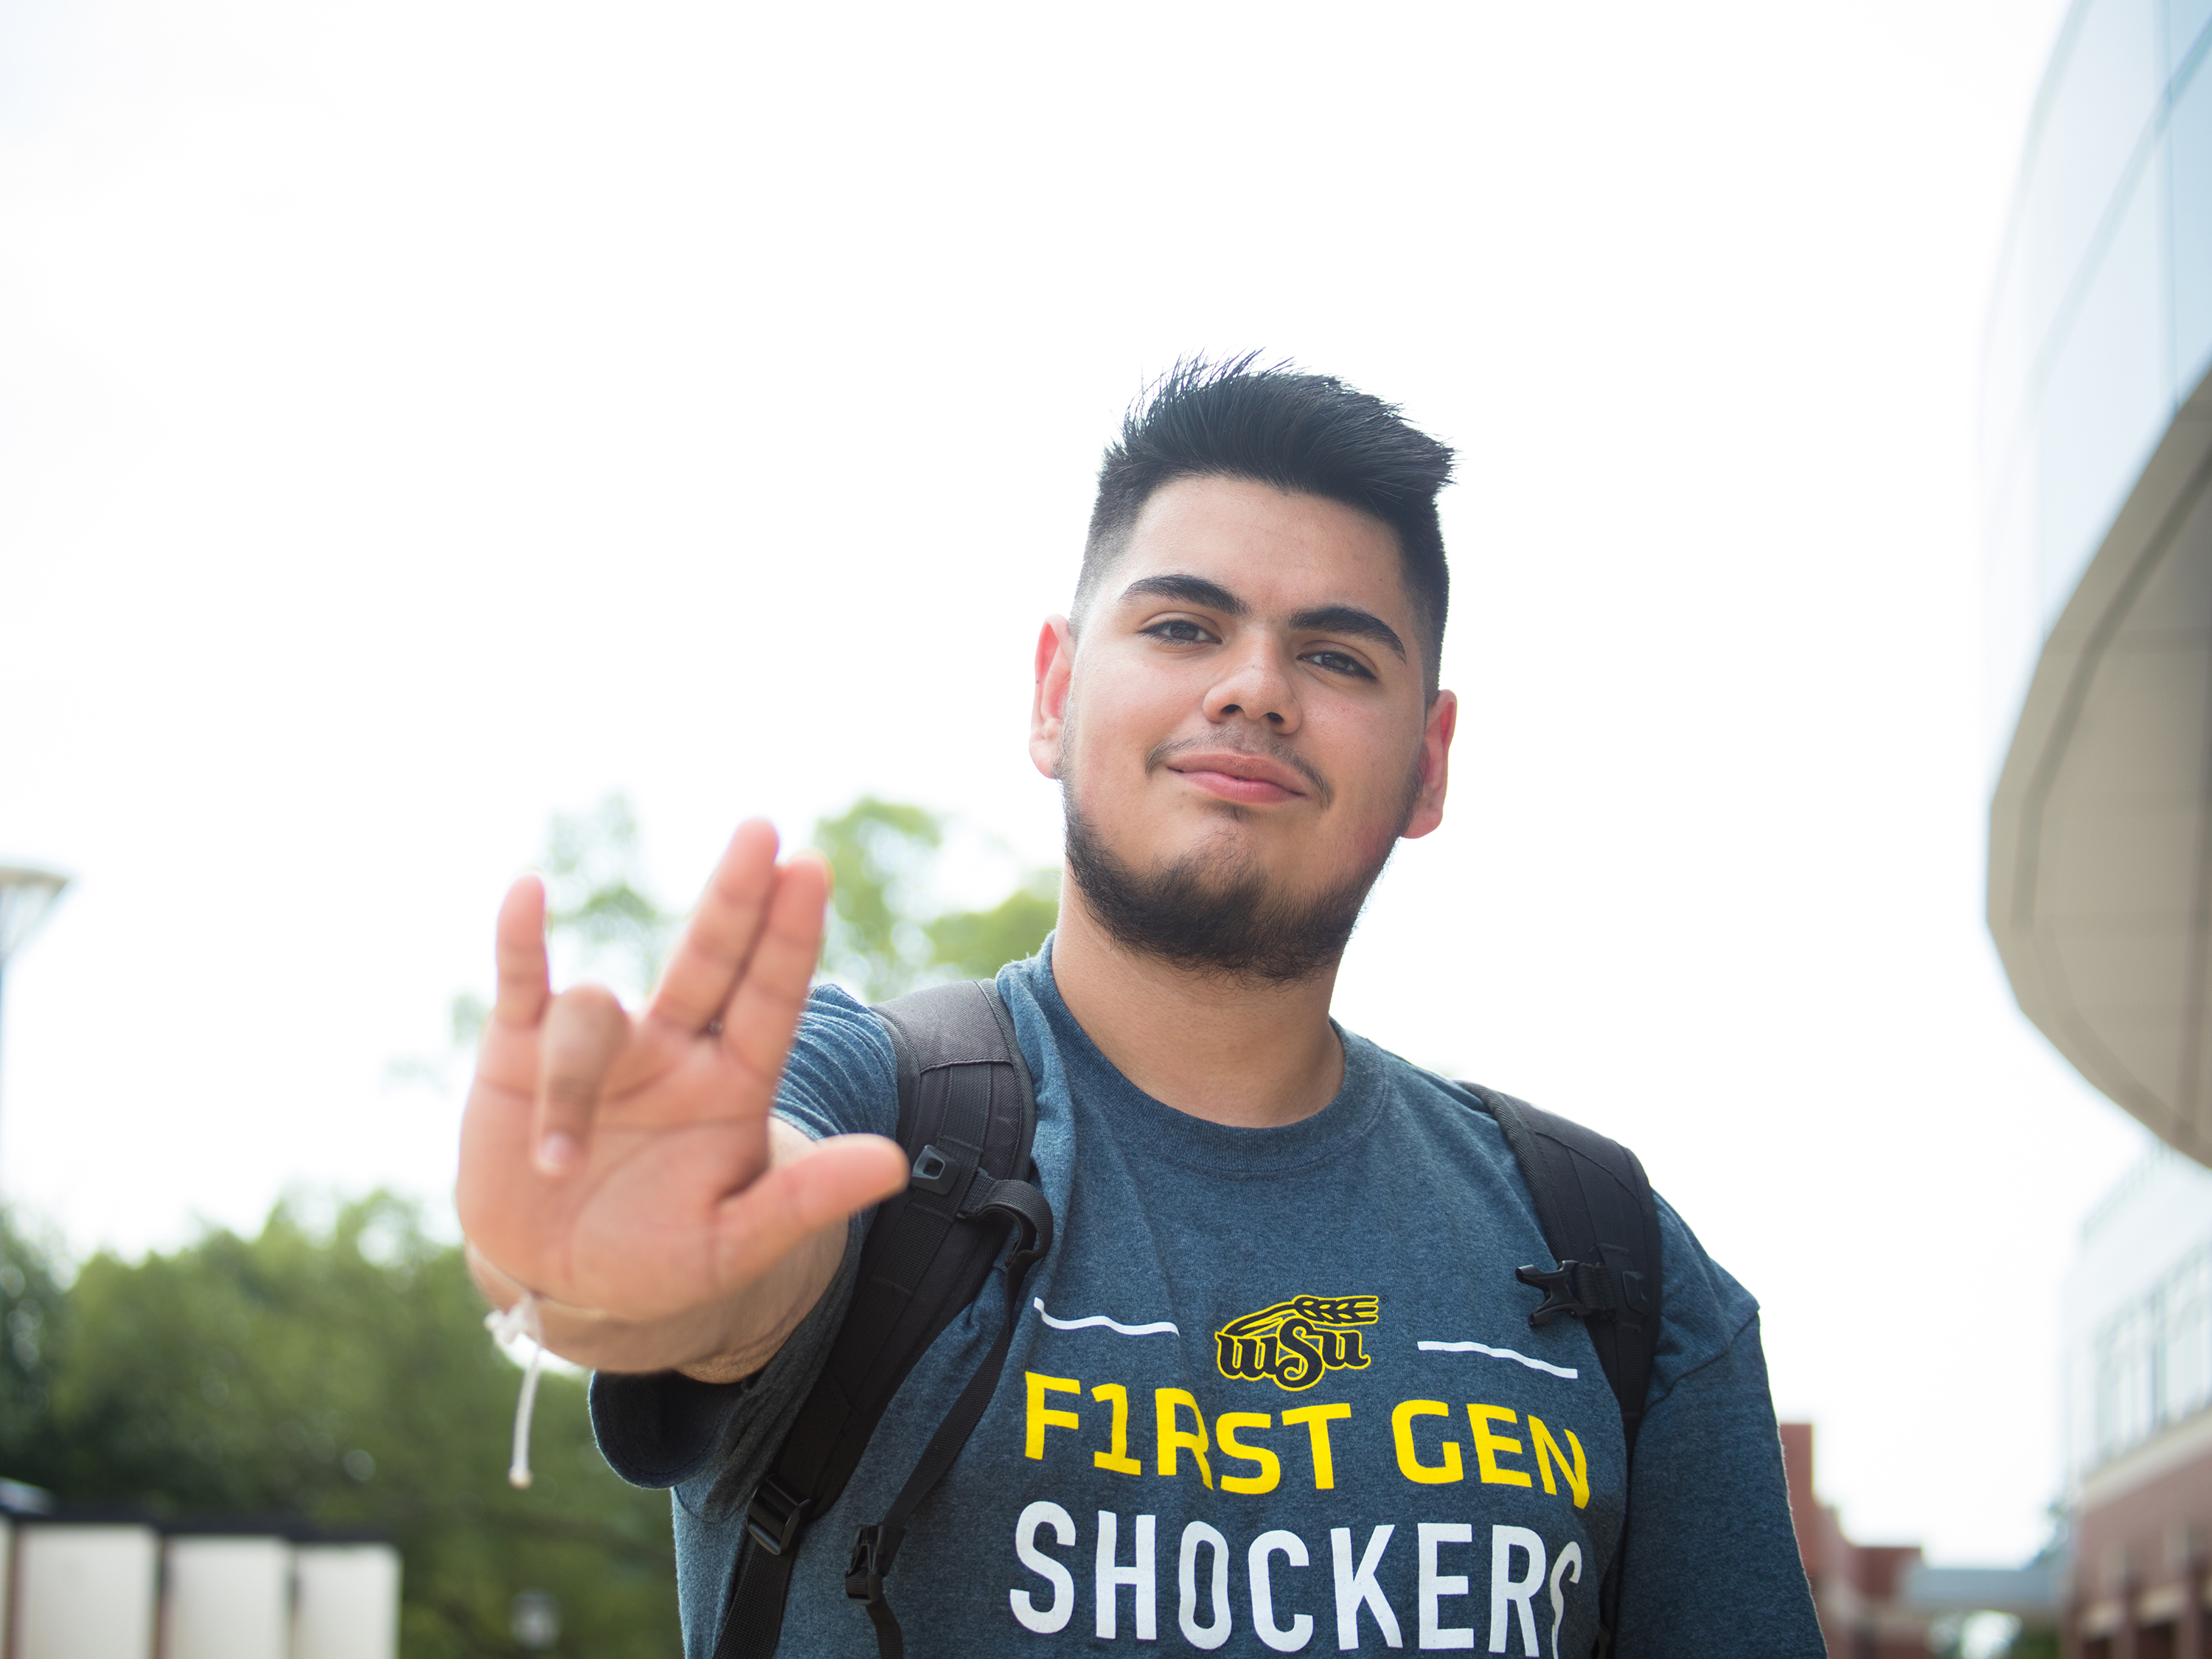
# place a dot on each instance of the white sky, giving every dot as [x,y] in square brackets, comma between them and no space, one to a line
[420,417]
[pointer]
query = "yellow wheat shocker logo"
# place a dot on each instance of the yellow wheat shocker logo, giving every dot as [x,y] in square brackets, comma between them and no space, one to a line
[1295,1343]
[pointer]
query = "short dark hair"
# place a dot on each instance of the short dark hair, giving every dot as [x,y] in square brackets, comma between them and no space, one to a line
[1306,433]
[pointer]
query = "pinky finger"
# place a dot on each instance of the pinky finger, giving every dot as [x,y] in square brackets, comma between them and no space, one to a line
[524,986]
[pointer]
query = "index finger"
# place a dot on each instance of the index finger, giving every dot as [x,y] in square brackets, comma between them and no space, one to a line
[520,947]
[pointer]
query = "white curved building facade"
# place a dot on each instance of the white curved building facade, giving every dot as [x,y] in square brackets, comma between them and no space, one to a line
[2098,457]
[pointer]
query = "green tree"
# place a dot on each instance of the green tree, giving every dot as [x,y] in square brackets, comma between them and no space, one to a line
[597,902]
[35,1323]
[342,1375]
[885,933]
[596,896]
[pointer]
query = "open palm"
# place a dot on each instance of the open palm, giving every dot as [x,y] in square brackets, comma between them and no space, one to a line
[622,1163]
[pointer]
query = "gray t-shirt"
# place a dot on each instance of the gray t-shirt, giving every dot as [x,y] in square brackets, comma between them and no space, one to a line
[1274,1390]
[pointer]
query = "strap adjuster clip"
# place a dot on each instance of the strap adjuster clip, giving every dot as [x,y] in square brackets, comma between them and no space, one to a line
[775,1517]
[1578,1290]
[873,1551]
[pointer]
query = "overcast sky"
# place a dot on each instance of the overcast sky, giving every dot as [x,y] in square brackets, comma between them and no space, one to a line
[418,418]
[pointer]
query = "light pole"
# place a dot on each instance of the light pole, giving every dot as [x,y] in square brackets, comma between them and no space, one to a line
[25,896]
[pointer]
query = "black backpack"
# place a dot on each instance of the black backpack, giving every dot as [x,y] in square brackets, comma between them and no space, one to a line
[967,1115]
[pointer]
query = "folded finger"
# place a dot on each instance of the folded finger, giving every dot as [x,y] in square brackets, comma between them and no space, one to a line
[763,1011]
[518,948]
[719,941]
[585,1030]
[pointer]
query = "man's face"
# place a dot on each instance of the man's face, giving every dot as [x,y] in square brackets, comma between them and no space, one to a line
[1244,700]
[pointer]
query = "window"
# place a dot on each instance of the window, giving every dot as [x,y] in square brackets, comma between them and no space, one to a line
[2153,1360]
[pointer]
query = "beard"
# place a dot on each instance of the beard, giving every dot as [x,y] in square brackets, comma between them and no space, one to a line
[1214,911]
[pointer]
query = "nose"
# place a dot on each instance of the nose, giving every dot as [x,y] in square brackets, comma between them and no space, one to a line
[1255,685]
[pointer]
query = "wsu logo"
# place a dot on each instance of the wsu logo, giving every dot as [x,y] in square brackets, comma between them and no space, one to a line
[1295,1344]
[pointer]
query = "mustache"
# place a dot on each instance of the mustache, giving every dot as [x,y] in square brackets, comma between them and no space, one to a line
[1282,754]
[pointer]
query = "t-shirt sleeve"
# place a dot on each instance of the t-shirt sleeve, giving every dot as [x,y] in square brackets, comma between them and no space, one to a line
[1710,1561]
[665,1429]
[842,1078]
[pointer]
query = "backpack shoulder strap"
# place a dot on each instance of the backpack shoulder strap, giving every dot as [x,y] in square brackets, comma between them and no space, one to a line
[1602,1223]
[967,1115]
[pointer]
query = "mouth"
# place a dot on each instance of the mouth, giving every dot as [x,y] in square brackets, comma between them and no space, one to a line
[1246,780]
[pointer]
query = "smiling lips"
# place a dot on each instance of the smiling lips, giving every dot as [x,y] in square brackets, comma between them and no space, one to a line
[1248,779]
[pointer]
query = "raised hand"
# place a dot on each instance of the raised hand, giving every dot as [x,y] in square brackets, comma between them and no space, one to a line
[625,1170]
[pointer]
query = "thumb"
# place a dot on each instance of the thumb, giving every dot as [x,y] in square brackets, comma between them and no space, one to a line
[829,1182]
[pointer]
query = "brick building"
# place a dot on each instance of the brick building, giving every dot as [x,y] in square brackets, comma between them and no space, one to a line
[1882,1601]
[2138,1385]
[1859,1588]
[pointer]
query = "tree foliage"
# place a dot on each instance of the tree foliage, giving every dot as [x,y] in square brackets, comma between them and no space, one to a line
[888,931]
[596,893]
[35,1318]
[599,907]
[342,1375]
[887,935]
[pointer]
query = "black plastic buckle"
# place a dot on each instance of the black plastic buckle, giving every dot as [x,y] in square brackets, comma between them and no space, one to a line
[873,1551]
[774,1517]
[1577,1291]
[1633,1296]
[933,1171]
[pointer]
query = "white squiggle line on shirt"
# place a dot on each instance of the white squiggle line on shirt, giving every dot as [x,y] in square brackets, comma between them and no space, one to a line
[1115,1326]
[1567,1372]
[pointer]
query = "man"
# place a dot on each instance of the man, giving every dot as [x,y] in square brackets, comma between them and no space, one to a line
[1244,715]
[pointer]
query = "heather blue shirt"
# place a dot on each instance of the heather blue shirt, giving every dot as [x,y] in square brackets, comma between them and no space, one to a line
[1274,1390]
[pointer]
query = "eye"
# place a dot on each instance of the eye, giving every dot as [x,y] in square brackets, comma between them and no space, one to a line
[1179,630]
[1336,662]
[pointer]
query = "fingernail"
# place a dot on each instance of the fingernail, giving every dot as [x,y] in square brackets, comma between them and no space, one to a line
[556,1154]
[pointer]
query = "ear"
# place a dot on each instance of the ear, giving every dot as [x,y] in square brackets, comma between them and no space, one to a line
[1055,670]
[1435,765]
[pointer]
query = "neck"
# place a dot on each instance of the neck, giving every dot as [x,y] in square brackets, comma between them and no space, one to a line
[1247,1052]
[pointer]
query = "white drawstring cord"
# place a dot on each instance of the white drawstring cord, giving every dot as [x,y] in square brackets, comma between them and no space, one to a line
[521,1320]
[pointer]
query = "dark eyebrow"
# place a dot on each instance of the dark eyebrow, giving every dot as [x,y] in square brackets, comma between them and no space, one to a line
[1190,590]
[1353,623]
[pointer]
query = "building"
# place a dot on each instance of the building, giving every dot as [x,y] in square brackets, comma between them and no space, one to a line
[1858,1589]
[2137,1355]
[1881,1600]
[2099,467]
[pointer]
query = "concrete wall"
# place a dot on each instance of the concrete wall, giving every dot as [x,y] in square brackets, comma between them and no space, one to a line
[84,1591]
[226,1598]
[348,1604]
[77,1590]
